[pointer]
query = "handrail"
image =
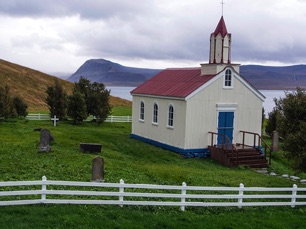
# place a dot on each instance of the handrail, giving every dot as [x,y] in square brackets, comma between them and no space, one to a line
[227,142]
[260,139]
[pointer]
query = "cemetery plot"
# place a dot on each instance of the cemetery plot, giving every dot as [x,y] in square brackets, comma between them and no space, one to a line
[90,147]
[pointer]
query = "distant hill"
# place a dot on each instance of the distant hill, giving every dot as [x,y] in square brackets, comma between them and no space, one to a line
[112,74]
[262,77]
[275,78]
[31,85]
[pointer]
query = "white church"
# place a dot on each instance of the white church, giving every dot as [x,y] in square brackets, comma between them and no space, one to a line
[178,108]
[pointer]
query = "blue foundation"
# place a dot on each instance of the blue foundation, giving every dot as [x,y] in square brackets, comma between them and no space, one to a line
[187,153]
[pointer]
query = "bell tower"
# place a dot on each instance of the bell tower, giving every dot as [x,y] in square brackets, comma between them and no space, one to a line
[220,45]
[220,51]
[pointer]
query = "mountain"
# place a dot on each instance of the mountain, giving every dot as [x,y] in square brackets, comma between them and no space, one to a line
[275,78]
[262,77]
[31,86]
[112,74]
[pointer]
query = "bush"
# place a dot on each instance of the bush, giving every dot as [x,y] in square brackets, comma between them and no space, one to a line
[291,123]
[20,106]
[57,100]
[11,107]
[77,107]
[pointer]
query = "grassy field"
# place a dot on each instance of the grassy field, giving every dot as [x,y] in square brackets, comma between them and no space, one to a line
[134,162]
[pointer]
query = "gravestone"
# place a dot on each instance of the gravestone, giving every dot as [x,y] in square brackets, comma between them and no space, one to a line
[97,169]
[44,143]
[275,140]
[90,147]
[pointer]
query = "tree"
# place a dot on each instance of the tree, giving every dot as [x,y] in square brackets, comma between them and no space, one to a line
[96,97]
[272,122]
[7,108]
[1,108]
[20,106]
[77,107]
[1,103]
[291,122]
[98,102]
[57,100]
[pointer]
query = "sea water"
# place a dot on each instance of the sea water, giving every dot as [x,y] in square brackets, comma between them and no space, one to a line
[124,92]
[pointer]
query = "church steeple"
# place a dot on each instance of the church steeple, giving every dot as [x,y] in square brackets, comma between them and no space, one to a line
[220,45]
[221,28]
[220,51]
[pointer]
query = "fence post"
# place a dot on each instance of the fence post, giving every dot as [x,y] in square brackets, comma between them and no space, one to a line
[43,188]
[121,191]
[293,199]
[111,118]
[38,116]
[240,198]
[183,194]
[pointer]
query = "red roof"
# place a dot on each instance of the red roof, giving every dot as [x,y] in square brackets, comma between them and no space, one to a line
[221,28]
[173,82]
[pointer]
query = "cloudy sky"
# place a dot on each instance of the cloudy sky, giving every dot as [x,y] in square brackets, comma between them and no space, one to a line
[60,35]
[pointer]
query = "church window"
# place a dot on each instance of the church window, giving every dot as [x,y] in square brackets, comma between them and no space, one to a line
[142,111]
[228,78]
[170,116]
[155,113]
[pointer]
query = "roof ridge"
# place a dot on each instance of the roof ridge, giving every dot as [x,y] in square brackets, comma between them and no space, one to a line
[183,68]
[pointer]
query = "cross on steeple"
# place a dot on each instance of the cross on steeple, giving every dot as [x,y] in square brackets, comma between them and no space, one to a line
[222,3]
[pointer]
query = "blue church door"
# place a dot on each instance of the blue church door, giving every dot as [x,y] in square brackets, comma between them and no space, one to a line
[225,126]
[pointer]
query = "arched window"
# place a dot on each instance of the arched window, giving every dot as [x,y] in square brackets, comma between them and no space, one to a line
[142,111]
[170,116]
[155,113]
[228,78]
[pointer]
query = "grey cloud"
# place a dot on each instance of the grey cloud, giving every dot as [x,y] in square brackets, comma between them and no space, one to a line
[90,9]
[36,40]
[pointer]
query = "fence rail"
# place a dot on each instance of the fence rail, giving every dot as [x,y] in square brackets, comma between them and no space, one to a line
[118,119]
[108,119]
[38,117]
[146,194]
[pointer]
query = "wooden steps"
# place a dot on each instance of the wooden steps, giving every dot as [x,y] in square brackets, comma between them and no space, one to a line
[247,157]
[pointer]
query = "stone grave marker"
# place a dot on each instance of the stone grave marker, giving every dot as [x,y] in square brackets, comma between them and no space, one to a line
[97,169]
[275,140]
[44,143]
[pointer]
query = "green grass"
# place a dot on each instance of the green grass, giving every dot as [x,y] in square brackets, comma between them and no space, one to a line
[122,111]
[134,162]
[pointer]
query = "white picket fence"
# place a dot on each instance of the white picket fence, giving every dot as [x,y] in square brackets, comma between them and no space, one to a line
[118,119]
[38,117]
[108,119]
[146,194]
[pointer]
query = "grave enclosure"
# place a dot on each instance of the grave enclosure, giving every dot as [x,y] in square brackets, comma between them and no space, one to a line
[90,148]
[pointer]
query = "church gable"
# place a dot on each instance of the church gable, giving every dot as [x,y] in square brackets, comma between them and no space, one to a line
[227,79]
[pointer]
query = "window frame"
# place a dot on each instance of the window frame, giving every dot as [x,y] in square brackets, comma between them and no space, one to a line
[228,79]
[155,114]
[170,118]
[142,111]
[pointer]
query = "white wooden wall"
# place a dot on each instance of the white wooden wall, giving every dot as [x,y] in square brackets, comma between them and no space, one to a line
[194,118]
[160,132]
